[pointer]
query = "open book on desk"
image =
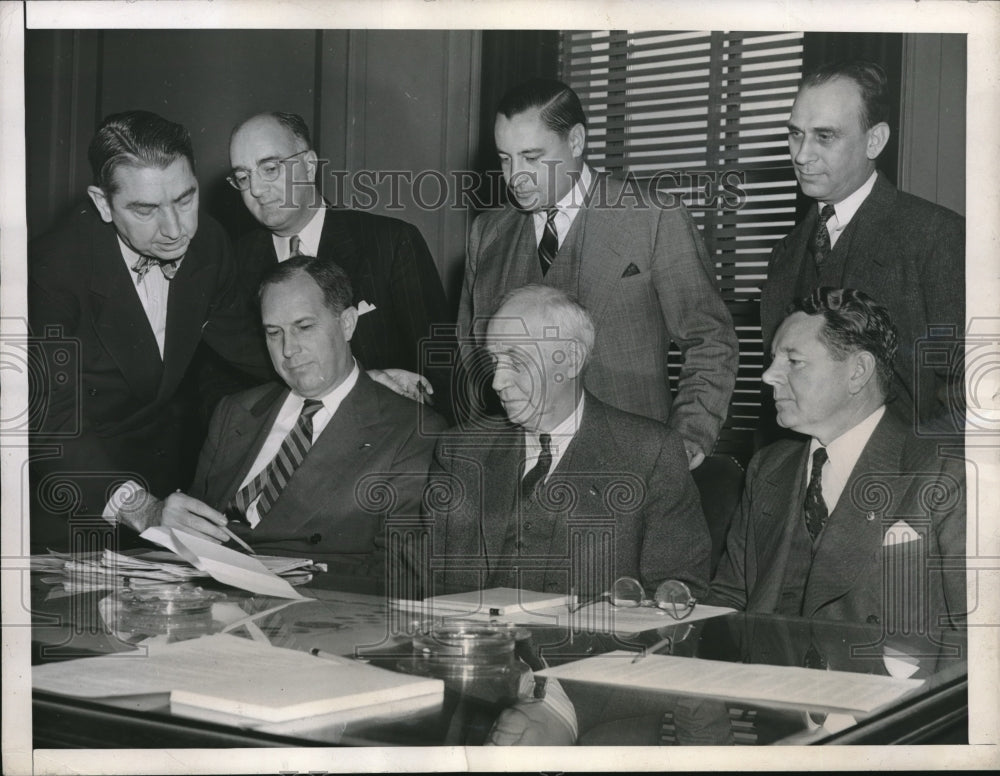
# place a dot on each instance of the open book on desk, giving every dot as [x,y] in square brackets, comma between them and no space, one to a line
[227,678]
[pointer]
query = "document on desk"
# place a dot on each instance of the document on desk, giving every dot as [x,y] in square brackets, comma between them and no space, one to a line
[238,678]
[784,686]
[221,563]
[492,602]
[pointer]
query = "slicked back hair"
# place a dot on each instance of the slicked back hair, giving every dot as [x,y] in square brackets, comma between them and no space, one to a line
[560,108]
[853,322]
[331,279]
[136,138]
[871,80]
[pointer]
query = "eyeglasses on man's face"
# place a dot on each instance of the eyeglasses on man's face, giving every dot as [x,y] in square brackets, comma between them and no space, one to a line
[268,170]
[672,597]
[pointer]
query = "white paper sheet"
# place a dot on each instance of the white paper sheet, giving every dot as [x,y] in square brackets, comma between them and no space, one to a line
[221,563]
[784,686]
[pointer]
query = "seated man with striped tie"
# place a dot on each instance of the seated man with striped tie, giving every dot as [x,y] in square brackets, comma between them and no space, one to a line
[573,493]
[862,520]
[314,467]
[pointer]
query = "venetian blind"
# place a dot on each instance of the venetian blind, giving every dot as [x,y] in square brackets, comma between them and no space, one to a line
[702,115]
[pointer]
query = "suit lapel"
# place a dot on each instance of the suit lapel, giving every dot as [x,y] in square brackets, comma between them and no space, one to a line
[187,304]
[246,433]
[852,540]
[780,493]
[606,244]
[337,242]
[865,268]
[119,320]
[502,477]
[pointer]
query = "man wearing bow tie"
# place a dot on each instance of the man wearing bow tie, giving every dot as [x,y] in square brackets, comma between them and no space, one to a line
[639,267]
[135,284]
[864,233]
[863,520]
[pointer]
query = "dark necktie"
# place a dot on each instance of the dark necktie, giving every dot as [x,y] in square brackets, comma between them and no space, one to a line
[146,263]
[540,469]
[294,246]
[815,508]
[272,480]
[821,237]
[548,247]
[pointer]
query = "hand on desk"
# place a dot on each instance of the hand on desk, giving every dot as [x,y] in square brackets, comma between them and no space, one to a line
[408,384]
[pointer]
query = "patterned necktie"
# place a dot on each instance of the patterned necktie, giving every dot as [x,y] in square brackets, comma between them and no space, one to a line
[815,507]
[540,469]
[294,246]
[548,247]
[272,480]
[146,263]
[821,237]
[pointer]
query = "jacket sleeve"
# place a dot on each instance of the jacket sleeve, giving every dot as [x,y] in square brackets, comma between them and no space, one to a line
[699,323]
[675,543]
[730,586]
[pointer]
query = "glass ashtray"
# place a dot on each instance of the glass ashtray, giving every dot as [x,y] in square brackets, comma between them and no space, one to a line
[168,600]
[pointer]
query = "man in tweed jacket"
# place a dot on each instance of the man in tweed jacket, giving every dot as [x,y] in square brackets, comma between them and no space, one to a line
[639,267]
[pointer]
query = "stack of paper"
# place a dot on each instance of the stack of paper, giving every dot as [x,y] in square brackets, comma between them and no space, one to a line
[79,573]
[230,679]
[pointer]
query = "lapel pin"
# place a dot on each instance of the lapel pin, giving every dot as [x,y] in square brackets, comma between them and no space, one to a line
[363,446]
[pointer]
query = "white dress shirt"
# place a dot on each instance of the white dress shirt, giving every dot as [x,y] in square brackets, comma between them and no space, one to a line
[843,453]
[153,291]
[283,424]
[846,209]
[308,238]
[567,209]
[561,435]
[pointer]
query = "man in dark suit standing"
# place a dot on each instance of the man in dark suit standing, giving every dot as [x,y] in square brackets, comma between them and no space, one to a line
[315,466]
[641,269]
[398,291]
[863,521]
[135,284]
[865,234]
[575,493]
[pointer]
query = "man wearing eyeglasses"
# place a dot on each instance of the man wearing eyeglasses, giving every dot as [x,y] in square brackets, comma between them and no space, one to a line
[398,290]
[862,521]
[128,289]
[573,493]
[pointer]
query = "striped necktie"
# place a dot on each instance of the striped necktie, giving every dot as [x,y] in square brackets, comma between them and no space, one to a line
[272,480]
[815,506]
[821,237]
[549,244]
[540,469]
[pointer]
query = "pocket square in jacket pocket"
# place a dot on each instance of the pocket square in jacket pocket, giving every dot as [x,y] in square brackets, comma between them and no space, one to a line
[630,270]
[364,307]
[899,532]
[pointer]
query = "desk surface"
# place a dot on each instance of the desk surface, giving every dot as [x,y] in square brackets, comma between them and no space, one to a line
[363,626]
